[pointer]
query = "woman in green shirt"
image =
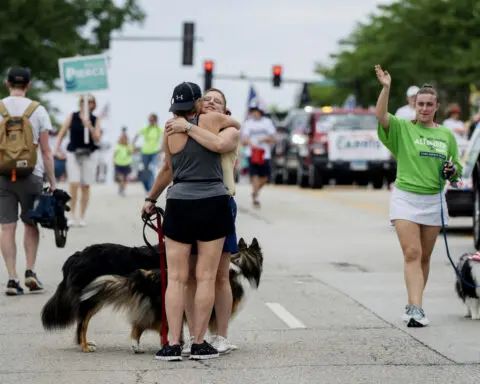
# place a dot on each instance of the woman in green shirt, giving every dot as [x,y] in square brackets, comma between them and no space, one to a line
[152,141]
[122,158]
[426,155]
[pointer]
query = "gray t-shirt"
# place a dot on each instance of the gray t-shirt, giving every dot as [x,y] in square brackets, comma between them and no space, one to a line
[197,172]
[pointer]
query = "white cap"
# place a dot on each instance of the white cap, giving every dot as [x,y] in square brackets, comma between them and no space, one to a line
[412,90]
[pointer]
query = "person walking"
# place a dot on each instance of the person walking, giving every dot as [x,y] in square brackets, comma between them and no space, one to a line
[258,134]
[122,159]
[427,156]
[81,156]
[22,190]
[152,135]
[408,110]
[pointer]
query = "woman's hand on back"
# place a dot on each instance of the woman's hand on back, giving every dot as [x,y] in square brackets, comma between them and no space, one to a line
[175,125]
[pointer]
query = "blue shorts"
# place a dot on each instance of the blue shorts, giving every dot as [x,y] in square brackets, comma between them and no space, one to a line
[231,243]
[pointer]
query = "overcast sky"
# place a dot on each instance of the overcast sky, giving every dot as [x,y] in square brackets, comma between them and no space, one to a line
[240,36]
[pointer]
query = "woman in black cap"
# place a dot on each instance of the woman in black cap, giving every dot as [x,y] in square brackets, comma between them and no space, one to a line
[197,211]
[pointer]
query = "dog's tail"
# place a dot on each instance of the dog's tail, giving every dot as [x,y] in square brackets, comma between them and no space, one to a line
[59,312]
[122,294]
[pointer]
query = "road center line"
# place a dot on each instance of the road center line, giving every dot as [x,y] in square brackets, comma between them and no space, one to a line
[285,316]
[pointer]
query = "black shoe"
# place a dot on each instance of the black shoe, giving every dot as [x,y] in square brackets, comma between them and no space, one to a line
[13,288]
[170,353]
[203,351]
[32,281]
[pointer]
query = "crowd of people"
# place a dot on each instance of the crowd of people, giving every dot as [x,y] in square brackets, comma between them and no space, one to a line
[201,143]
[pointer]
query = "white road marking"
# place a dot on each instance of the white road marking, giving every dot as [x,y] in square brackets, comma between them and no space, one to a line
[285,316]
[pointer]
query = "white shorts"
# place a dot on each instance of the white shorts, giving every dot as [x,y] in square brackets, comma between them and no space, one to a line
[81,169]
[420,209]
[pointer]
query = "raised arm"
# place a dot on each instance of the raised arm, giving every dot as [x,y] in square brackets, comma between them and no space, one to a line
[381,109]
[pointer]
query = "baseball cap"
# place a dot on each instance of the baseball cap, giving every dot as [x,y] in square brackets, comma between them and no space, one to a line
[18,75]
[255,106]
[184,96]
[412,90]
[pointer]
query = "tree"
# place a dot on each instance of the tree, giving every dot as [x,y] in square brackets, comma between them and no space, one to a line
[35,34]
[417,41]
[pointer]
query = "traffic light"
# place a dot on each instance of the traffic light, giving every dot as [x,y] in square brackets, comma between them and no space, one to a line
[208,65]
[277,75]
[188,39]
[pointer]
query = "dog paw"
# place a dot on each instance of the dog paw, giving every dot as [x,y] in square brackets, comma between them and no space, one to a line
[136,349]
[88,348]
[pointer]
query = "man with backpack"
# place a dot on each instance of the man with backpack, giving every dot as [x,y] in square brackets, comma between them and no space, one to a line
[24,127]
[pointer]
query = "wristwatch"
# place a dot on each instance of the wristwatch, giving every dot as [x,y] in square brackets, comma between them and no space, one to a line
[188,127]
[150,200]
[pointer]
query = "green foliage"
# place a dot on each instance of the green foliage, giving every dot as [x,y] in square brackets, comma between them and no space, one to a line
[417,41]
[35,34]
[327,95]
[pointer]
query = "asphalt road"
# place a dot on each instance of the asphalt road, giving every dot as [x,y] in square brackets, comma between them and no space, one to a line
[328,309]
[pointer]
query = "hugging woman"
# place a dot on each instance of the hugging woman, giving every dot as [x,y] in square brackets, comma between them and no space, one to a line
[197,211]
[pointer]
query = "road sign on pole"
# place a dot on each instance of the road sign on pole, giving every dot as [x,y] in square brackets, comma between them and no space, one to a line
[83,74]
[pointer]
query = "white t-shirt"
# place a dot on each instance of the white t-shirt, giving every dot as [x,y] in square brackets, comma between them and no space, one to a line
[40,120]
[454,124]
[406,112]
[462,138]
[256,130]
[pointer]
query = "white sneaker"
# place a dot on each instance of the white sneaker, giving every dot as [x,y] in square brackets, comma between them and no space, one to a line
[221,344]
[187,346]
[82,223]
[72,222]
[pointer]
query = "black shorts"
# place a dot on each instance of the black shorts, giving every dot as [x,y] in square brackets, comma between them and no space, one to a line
[263,170]
[188,221]
[123,170]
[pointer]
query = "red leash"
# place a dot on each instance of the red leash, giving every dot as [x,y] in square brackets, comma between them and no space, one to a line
[148,222]
[163,276]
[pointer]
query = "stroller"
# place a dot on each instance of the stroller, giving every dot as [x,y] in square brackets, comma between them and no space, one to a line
[49,211]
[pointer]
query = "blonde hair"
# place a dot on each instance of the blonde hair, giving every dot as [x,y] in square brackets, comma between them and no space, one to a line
[90,98]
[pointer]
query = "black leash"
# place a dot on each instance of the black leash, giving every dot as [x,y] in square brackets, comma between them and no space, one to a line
[444,231]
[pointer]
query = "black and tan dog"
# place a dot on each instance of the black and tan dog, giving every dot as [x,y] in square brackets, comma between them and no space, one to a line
[139,294]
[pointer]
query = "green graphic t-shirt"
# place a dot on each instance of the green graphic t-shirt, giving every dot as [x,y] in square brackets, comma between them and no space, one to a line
[152,135]
[420,153]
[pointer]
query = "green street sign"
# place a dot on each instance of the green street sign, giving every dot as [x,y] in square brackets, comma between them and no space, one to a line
[325,82]
[83,74]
